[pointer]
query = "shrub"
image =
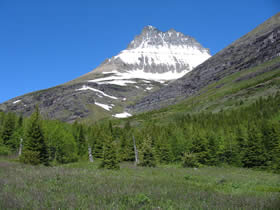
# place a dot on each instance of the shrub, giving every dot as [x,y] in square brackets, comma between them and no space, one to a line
[4,150]
[189,160]
[30,157]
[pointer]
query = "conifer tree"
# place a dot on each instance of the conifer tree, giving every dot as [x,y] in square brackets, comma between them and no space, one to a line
[127,148]
[147,157]
[97,138]
[109,160]
[35,148]
[98,148]
[241,139]
[189,160]
[201,148]
[17,136]
[272,143]
[78,132]
[254,153]
[213,150]
[8,130]
[81,141]
[165,151]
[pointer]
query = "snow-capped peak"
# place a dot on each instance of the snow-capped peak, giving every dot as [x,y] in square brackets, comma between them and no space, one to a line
[157,52]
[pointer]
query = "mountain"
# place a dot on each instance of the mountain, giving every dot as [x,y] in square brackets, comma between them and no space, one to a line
[151,61]
[247,68]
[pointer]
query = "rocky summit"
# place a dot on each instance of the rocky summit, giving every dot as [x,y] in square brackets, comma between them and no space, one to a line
[150,62]
[255,48]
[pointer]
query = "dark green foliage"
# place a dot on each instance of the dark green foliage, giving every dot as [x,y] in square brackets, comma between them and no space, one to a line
[109,160]
[147,155]
[201,148]
[127,149]
[242,142]
[4,150]
[96,139]
[165,151]
[271,137]
[214,149]
[247,136]
[30,157]
[62,145]
[79,134]
[35,145]
[189,160]
[254,152]
[8,130]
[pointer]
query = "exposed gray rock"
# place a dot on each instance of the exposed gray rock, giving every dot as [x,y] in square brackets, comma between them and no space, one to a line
[152,37]
[68,102]
[260,45]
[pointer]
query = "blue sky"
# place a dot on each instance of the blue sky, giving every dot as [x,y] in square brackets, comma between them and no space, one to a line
[44,43]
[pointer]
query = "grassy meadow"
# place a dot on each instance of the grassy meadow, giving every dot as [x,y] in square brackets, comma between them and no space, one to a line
[83,186]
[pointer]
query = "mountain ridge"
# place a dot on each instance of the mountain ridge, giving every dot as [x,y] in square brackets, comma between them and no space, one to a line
[118,81]
[259,45]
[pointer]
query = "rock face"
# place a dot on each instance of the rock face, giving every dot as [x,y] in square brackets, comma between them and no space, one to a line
[151,60]
[154,51]
[258,46]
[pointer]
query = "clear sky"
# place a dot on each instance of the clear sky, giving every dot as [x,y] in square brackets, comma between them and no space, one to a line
[44,43]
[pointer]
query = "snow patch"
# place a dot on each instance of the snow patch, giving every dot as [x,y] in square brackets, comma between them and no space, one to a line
[17,101]
[104,106]
[98,91]
[147,81]
[123,78]
[110,72]
[122,115]
[167,54]
[116,82]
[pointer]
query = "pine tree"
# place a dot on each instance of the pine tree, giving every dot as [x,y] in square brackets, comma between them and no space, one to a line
[201,148]
[109,160]
[213,150]
[165,152]
[189,160]
[254,153]
[17,136]
[81,140]
[242,141]
[272,143]
[147,157]
[98,148]
[127,148]
[8,130]
[78,132]
[35,149]
[97,138]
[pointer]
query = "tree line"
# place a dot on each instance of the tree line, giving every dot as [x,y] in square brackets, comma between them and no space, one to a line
[246,136]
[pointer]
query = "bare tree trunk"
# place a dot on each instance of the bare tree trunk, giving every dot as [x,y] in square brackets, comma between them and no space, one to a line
[20,147]
[135,151]
[90,154]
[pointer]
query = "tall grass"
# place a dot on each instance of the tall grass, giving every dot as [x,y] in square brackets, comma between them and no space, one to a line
[84,186]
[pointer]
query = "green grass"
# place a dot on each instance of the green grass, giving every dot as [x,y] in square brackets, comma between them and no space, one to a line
[84,186]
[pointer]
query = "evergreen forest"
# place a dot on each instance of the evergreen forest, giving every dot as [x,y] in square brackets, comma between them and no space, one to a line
[247,136]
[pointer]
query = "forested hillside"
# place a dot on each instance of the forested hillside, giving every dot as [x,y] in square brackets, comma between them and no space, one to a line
[247,136]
